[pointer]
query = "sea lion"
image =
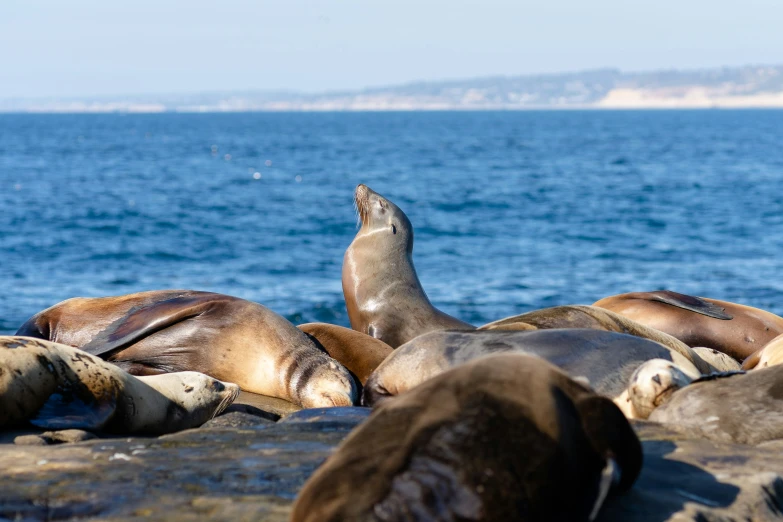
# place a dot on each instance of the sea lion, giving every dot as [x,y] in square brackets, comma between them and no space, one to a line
[382,292]
[231,339]
[358,352]
[770,355]
[581,316]
[500,438]
[745,408]
[605,359]
[720,361]
[59,387]
[653,383]
[731,328]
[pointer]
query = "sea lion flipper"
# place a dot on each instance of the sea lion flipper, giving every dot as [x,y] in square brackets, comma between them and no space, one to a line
[689,302]
[143,321]
[63,411]
[619,443]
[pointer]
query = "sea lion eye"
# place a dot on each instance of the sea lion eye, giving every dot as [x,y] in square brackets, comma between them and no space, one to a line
[394,229]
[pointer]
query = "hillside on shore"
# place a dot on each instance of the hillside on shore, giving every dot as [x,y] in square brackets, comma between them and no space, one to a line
[728,87]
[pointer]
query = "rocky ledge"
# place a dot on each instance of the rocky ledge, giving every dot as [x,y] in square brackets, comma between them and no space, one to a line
[245,466]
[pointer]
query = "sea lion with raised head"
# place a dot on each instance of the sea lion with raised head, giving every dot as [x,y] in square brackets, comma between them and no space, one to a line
[593,317]
[59,387]
[383,294]
[358,352]
[504,437]
[745,408]
[605,359]
[731,328]
[231,339]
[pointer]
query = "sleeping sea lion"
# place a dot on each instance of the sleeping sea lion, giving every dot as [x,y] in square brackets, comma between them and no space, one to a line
[770,355]
[358,352]
[60,387]
[605,359]
[734,329]
[382,292]
[593,317]
[745,408]
[505,437]
[231,339]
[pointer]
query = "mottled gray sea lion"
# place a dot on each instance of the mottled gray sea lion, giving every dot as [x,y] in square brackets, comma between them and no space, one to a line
[606,359]
[731,328]
[593,317]
[743,408]
[358,352]
[231,339]
[382,292]
[505,437]
[60,387]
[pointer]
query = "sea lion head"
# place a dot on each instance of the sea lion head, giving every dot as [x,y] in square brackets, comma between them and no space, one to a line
[380,216]
[198,396]
[329,385]
[653,383]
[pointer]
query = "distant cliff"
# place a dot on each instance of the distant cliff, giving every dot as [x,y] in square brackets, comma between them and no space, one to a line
[750,86]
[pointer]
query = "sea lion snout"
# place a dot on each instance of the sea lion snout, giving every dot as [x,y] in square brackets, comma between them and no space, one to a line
[374,393]
[330,385]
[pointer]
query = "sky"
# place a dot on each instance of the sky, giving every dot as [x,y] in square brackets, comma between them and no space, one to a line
[56,48]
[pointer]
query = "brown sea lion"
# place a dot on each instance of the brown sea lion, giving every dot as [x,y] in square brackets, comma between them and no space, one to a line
[59,387]
[606,359]
[231,339]
[383,294]
[505,437]
[731,328]
[581,316]
[742,408]
[358,352]
[770,355]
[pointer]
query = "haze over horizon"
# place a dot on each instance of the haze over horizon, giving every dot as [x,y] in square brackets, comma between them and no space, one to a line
[91,48]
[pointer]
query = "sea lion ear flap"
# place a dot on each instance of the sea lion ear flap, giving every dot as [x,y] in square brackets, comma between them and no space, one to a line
[612,436]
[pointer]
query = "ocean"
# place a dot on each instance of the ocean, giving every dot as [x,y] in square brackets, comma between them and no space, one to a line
[512,211]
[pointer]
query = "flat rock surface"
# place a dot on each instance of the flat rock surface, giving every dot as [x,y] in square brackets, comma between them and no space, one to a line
[246,469]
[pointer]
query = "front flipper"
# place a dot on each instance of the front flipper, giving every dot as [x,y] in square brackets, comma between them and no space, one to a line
[688,302]
[146,320]
[67,409]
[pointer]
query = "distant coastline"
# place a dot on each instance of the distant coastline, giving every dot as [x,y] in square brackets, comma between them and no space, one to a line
[728,87]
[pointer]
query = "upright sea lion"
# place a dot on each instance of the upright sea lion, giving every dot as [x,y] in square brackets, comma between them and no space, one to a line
[60,387]
[358,352]
[734,329]
[605,359]
[231,339]
[581,316]
[383,294]
[742,408]
[505,437]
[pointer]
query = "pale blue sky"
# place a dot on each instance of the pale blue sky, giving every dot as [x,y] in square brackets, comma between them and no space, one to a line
[104,47]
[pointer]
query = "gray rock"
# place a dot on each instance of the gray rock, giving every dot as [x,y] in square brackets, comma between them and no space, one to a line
[247,473]
[54,437]
[238,419]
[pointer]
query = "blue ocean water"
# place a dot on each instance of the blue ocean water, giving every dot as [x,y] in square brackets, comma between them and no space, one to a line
[512,210]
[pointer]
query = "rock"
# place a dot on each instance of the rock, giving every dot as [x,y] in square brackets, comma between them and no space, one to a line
[238,419]
[247,473]
[54,437]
